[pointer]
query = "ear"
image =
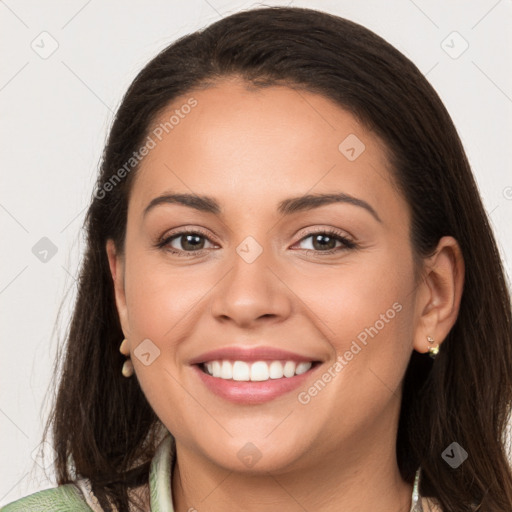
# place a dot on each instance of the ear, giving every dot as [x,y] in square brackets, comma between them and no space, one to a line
[439,295]
[116,263]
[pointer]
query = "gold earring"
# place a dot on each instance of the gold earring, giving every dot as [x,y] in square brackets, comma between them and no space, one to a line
[127,370]
[432,351]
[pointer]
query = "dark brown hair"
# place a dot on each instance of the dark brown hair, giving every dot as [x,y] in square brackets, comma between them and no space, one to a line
[102,425]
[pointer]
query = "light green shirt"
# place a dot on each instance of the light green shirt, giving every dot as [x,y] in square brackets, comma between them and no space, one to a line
[77,497]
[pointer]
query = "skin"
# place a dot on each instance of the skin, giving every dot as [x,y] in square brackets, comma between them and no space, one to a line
[250,149]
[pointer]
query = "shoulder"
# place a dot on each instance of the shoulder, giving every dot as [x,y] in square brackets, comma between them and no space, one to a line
[64,498]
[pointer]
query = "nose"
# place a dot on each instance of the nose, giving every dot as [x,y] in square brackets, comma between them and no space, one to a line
[252,292]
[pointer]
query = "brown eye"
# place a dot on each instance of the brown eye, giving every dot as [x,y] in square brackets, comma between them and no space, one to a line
[325,241]
[184,242]
[189,242]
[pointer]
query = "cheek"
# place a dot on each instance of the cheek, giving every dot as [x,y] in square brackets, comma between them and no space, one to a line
[159,297]
[161,303]
[366,317]
[353,297]
[364,312]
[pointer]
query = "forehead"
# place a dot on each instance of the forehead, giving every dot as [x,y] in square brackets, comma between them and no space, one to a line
[253,146]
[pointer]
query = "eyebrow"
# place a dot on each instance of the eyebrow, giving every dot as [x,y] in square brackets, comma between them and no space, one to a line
[286,207]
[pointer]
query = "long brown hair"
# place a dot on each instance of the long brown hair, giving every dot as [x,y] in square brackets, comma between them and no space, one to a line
[103,427]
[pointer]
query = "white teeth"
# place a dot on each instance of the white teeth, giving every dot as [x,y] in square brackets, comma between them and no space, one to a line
[226,370]
[241,371]
[276,370]
[257,371]
[289,369]
[216,369]
[302,368]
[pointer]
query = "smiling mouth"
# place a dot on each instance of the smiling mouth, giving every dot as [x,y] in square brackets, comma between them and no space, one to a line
[256,371]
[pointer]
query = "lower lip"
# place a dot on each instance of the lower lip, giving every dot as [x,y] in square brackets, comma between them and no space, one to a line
[248,392]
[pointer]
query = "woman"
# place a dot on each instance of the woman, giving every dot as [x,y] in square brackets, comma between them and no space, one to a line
[288,248]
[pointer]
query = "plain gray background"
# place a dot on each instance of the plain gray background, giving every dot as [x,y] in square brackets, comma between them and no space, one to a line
[65,66]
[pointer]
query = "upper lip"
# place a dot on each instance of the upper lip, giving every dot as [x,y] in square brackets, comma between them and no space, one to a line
[239,353]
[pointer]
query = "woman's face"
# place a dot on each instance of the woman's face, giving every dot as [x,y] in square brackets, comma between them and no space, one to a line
[329,281]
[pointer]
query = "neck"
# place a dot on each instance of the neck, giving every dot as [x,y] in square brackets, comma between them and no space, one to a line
[360,476]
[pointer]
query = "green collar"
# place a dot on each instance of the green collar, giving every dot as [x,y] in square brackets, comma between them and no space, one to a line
[160,476]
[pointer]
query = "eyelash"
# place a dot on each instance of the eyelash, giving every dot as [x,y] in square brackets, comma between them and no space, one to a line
[163,242]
